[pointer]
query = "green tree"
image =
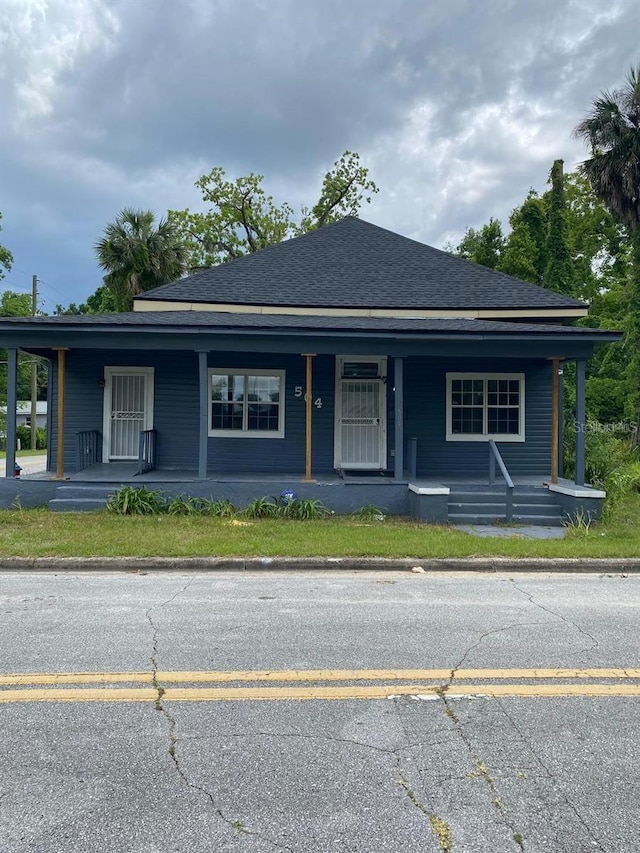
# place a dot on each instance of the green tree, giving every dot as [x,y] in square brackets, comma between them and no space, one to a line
[529,224]
[484,246]
[138,256]
[243,218]
[612,131]
[6,258]
[101,301]
[559,272]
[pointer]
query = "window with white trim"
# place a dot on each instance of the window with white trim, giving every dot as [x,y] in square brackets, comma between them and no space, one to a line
[481,406]
[246,403]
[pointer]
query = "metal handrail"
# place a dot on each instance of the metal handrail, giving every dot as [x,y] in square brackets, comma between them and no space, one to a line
[88,448]
[146,451]
[494,456]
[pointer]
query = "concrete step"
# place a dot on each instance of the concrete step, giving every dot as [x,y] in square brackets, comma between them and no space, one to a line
[547,508]
[474,518]
[83,491]
[77,504]
[540,496]
[539,520]
[484,518]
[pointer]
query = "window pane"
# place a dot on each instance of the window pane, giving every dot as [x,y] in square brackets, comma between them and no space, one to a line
[263,388]
[226,416]
[466,420]
[503,421]
[263,417]
[360,369]
[245,403]
[227,387]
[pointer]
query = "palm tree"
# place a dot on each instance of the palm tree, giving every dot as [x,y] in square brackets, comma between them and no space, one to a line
[138,257]
[612,130]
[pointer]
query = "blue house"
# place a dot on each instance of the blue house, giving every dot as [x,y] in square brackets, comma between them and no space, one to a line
[350,364]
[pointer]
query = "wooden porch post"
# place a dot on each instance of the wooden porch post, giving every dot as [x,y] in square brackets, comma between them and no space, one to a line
[61,386]
[581,424]
[203,432]
[398,382]
[12,397]
[309,413]
[555,417]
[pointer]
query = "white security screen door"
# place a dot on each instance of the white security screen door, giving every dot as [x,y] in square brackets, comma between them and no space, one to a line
[128,410]
[361,416]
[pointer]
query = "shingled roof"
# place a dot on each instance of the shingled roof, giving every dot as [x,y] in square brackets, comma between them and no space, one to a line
[354,264]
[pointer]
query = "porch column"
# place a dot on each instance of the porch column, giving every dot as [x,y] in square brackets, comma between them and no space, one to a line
[203,432]
[561,423]
[60,404]
[12,398]
[308,397]
[581,421]
[555,416]
[398,399]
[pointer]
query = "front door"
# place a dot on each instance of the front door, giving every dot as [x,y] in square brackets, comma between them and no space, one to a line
[361,414]
[128,410]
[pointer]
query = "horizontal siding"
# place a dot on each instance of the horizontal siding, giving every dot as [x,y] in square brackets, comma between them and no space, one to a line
[176,413]
[425,418]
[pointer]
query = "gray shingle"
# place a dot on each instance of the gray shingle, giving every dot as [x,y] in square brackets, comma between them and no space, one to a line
[353,263]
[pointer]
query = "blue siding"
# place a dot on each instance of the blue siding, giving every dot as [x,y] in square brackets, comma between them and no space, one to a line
[176,413]
[425,418]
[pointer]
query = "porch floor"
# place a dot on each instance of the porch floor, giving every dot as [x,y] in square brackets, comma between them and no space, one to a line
[125,472]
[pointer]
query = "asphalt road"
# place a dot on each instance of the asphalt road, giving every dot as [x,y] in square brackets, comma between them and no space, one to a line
[519,732]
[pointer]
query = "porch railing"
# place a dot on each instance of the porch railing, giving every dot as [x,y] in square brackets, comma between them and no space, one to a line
[146,451]
[88,448]
[494,456]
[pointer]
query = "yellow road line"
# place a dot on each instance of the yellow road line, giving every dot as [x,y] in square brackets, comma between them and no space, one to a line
[231,694]
[221,676]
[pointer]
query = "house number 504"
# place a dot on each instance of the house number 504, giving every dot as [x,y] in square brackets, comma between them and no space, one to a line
[298,392]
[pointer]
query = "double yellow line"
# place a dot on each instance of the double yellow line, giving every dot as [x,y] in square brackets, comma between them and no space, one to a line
[318,684]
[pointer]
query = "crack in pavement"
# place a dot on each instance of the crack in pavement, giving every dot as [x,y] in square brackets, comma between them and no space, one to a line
[549,775]
[482,773]
[437,825]
[174,740]
[479,642]
[594,643]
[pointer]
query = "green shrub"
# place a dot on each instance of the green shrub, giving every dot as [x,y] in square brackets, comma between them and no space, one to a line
[370,513]
[304,509]
[222,508]
[263,508]
[185,505]
[136,500]
[24,434]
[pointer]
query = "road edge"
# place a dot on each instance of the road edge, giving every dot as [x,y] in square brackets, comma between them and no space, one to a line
[619,565]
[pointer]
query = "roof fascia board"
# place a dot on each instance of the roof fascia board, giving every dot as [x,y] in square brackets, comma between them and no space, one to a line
[397,313]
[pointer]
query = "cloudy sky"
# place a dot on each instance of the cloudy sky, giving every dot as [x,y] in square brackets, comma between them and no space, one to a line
[457,107]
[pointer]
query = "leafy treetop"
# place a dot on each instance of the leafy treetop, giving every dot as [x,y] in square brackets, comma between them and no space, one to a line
[243,218]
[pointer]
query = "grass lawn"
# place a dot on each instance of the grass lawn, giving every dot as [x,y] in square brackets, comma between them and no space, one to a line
[20,453]
[40,533]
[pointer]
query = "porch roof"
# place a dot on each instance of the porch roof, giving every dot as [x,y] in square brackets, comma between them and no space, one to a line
[205,322]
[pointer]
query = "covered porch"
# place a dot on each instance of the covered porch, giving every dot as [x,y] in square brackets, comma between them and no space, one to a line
[378,409]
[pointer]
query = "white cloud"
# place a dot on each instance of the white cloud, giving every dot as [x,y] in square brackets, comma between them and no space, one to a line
[42,40]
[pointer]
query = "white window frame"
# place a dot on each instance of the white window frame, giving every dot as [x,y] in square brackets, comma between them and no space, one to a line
[485,435]
[247,433]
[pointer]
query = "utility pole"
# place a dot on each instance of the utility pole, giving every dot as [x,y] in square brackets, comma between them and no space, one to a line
[34,369]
